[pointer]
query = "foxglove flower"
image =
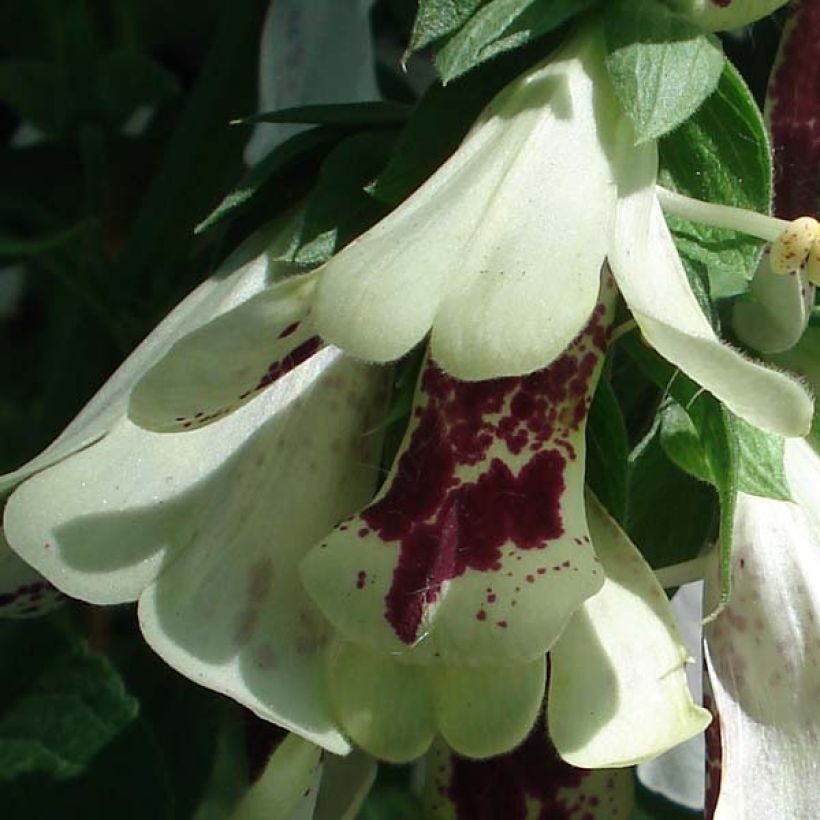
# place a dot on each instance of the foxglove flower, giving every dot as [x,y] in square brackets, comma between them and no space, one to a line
[498,254]
[205,530]
[763,655]
[301,781]
[719,15]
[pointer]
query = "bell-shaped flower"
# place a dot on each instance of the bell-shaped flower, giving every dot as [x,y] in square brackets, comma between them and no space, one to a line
[720,15]
[763,654]
[497,255]
[476,558]
[205,529]
[531,781]
[302,782]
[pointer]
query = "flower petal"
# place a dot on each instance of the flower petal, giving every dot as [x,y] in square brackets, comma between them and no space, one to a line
[241,276]
[528,783]
[618,692]
[476,549]
[516,222]
[721,15]
[678,774]
[24,593]
[222,515]
[345,784]
[288,786]
[763,656]
[651,278]
[386,707]
[778,312]
[211,372]
[484,711]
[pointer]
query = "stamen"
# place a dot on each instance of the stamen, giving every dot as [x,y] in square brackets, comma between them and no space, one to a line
[768,228]
[791,249]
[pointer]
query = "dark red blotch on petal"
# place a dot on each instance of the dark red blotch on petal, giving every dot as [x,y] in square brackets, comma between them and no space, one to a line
[453,504]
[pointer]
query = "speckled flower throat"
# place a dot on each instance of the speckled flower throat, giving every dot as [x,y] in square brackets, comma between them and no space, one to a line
[477,546]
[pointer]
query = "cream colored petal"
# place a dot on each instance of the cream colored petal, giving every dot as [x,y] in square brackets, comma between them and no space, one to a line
[722,15]
[288,786]
[384,706]
[207,529]
[242,275]
[618,693]
[777,312]
[475,550]
[345,784]
[214,370]
[651,278]
[482,711]
[763,657]
[679,773]
[515,223]
[24,593]
[529,783]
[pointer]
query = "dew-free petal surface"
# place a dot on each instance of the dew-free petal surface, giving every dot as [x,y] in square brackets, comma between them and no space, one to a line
[345,784]
[652,279]
[243,274]
[214,370]
[763,657]
[24,593]
[289,785]
[516,222]
[618,693]
[207,528]
[774,318]
[484,711]
[384,706]
[475,550]
[529,783]
[721,15]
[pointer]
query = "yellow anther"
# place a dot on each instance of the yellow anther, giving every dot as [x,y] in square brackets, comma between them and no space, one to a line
[813,265]
[792,247]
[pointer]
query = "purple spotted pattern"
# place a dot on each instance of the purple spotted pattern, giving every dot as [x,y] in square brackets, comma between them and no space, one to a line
[482,476]
[530,782]
[276,370]
[30,600]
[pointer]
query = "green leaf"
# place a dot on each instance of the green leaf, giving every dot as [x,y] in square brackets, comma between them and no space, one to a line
[127,78]
[607,451]
[720,155]
[662,66]
[440,121]
[715,430]
[682,444]
[339,208]
[298,149]
[62,705]
[352,115]
[500,26]
[437,18]
[670,515]
[760,469]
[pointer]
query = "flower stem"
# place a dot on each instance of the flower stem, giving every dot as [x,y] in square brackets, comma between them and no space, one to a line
[752,223]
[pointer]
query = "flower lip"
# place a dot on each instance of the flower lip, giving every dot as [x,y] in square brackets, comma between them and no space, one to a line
[515,223]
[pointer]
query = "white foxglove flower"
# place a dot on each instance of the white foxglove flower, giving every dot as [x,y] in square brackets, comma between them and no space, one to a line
[301,782]
[763,654]
[498,254]
[720,15]
[312,52]
[205,530]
